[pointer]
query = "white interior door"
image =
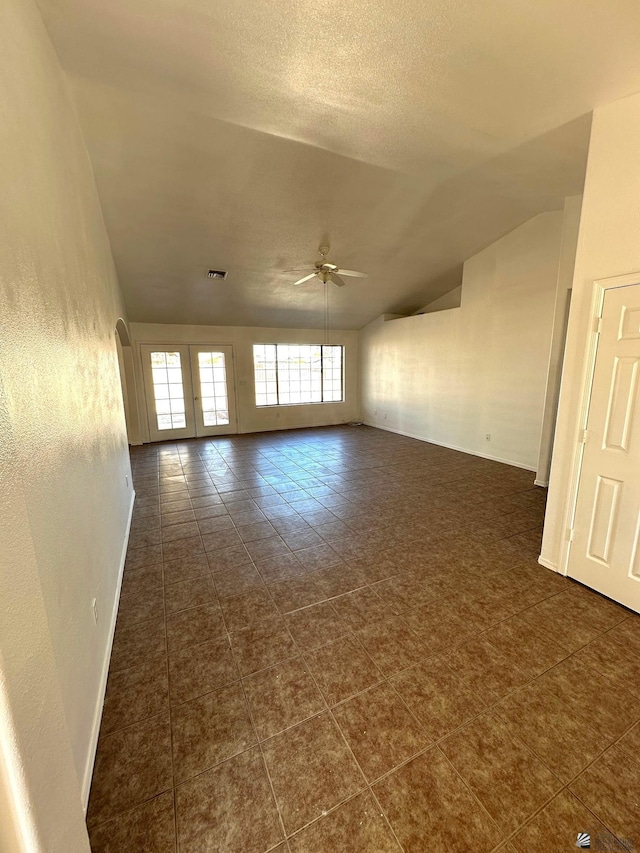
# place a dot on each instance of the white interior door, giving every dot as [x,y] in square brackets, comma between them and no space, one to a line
[605,552]
[214,391]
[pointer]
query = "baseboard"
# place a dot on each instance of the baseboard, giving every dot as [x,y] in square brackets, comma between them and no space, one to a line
[97,717]
[452,446]
[544,484]
[547,563]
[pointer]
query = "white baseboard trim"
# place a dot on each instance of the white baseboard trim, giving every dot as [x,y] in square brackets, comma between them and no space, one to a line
[542,483]
[452,446]
[547,563]
[97,717]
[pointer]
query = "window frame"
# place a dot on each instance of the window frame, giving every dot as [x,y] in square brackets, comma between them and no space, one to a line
[321,402]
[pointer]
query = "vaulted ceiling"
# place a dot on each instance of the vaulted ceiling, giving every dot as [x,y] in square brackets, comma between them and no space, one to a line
[242,134]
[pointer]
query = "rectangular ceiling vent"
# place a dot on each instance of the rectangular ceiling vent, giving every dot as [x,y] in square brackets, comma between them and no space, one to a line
[217,274]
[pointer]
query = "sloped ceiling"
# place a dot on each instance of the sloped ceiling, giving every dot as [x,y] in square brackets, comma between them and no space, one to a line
[241,134]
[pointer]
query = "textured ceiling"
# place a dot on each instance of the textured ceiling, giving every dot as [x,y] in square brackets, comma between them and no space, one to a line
[409,135]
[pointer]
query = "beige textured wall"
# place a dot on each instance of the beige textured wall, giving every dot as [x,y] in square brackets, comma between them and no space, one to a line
[608,245]
[570,226]
[63,454]
[453,376]
[251,418]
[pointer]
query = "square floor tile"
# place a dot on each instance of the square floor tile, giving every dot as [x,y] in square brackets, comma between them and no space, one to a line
[392,645]
[339,579]
[549,726]
[290,595]
[229,808]
[315,626]
[262,645]
[556,827]
[341,669]
[439,626]
[631,741]
[191,593]
[311,770]
[210,729]
[359,608]
[507,778]
[132,765]
[438,698]
[134,694]
[134,644]
[607,707]
[228,558]
[180,531]
[280,568]
[185,569]
[618,661]
[403,592]
[264,548]
[169,518]
[250,608]
[282,696]
[137,608]
[148,828]
[201,669]
[138,557]
[194,626]
[357,826]
[214,524]
[142,581]
[380,730]
[238,581]
[610,788]
[318,557]
[532,651]
[430,808]
[181,548]
[484,669]
[220,540]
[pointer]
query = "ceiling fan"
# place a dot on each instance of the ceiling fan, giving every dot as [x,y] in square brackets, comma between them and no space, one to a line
[326,272]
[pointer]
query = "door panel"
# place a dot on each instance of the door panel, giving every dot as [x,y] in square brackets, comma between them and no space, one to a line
[212,375]
[189,390]
[604,552]
[168,392]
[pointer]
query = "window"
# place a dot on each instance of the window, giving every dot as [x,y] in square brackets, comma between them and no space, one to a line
[166,372]
[287,374]
[213,388]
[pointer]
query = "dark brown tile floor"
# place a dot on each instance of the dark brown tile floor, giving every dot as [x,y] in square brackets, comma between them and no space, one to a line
[340,640]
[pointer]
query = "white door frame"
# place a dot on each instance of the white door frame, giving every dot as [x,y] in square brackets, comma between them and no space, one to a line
[600,287]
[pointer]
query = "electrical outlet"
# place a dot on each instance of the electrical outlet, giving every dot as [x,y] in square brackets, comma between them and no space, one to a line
[94,607]
[488,436]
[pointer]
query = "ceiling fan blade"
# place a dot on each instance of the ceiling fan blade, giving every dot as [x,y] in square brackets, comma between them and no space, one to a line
[337,280]
[306,278]
[353,272]
[301,269]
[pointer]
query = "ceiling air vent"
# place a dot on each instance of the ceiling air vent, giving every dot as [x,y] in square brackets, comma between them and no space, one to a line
[217,274]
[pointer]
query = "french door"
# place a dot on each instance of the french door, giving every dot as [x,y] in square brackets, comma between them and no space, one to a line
[189,390]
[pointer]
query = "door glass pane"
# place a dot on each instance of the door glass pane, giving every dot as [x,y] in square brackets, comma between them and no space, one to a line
[168,393]
[213,388]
